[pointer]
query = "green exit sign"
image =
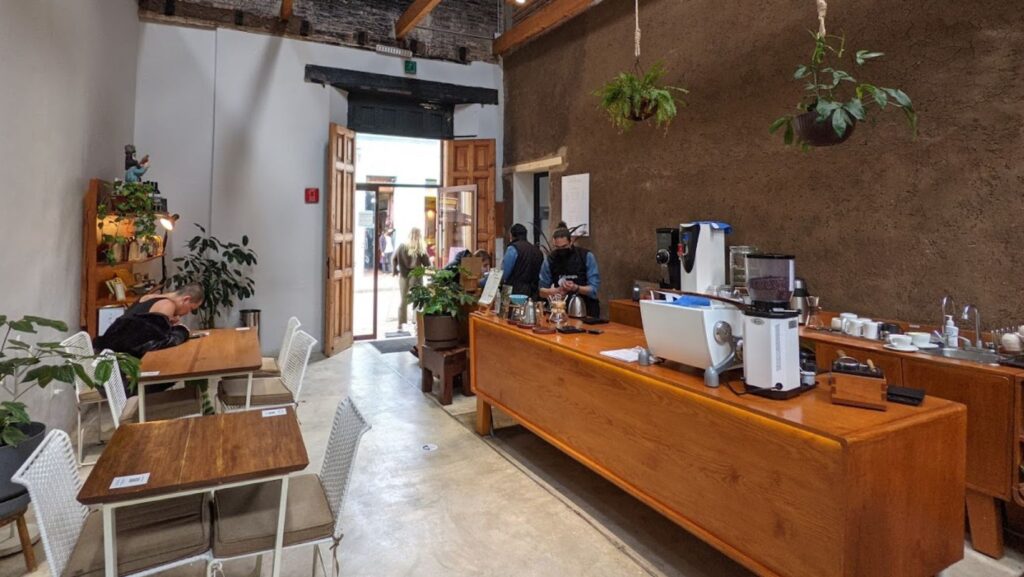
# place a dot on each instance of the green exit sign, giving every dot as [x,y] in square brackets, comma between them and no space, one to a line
[410,67]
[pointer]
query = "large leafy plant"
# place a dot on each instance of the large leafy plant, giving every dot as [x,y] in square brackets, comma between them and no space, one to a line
[24,366]
[131,202]
[440,293]
[629,98]
[836,96]
[221,268]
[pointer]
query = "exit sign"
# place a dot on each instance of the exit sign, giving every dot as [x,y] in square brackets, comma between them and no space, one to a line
[410,67]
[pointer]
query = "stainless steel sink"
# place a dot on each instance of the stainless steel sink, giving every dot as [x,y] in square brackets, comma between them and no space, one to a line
[972,355]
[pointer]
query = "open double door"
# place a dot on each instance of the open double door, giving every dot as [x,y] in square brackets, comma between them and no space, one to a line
[466,162]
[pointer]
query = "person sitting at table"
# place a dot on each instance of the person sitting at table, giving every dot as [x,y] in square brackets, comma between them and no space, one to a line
[153,323]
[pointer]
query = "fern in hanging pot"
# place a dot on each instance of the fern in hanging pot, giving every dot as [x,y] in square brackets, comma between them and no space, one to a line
[630,98]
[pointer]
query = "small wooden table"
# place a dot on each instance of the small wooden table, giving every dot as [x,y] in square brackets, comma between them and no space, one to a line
[446,364]
[222,353]
[188,456]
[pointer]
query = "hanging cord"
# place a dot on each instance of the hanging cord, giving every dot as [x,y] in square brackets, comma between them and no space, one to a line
[636,35]
[822,10]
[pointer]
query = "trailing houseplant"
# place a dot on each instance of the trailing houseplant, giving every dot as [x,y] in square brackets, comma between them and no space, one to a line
[629,98]
[221,268]
[834,101]
[438,295]
[130,202]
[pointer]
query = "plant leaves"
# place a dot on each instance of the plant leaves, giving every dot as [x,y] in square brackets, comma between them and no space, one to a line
[856,108]
[779,122]
[12,435]
[863,56]
[839,122]
[801,72]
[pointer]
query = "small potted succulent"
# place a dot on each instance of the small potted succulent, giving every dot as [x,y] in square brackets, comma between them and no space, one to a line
[834,100]
[439,297]
[630,98]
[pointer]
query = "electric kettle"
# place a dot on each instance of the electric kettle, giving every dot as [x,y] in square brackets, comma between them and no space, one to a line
[576,308]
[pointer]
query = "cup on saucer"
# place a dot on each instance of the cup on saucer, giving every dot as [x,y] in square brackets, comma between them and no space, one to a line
[900,341]
[918,338]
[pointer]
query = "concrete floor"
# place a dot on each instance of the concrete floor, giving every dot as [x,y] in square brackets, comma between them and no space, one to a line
[509,505]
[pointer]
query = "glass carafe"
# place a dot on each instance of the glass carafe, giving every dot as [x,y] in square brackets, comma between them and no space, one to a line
[557,303]
[813,314]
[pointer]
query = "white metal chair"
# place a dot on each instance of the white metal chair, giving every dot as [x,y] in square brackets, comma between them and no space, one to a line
[150,539]
[162,406]
[272,365]
[85,396]
[245,518]
[279,391]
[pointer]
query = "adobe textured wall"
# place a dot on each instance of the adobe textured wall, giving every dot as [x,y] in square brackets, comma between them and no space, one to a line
[882,225]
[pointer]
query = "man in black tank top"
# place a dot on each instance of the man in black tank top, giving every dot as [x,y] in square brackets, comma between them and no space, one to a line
[521,265]
[152,323]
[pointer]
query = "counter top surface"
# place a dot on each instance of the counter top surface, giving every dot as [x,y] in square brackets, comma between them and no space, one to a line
[812,411]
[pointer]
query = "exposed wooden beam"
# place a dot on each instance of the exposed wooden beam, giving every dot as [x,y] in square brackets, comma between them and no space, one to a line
[416,11]
[547,18]
[286,10]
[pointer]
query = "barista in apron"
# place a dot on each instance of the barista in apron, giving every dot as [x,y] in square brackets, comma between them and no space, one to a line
[571,269]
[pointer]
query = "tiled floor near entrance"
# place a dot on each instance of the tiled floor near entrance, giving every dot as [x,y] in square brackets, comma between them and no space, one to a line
[473,507]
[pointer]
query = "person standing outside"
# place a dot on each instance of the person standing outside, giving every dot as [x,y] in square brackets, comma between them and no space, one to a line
[387,250]
[410,254]
[522,263]
[571,269]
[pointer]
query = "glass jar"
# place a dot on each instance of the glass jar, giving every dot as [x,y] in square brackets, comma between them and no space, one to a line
[738,265]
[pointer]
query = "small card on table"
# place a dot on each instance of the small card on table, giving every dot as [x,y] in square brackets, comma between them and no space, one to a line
[129,481]
[275,412]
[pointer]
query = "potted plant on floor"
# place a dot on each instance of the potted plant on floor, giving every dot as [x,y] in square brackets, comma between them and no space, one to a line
[834,101]
[439,297]
[221,268]
[24,366]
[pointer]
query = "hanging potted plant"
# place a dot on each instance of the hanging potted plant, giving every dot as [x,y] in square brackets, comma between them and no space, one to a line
[638,96]
[440,299]
[834,100]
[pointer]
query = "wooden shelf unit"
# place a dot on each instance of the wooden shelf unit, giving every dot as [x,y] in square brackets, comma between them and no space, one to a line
[95,273]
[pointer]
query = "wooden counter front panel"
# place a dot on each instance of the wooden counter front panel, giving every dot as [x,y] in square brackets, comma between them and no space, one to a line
[990,400]
[754,487]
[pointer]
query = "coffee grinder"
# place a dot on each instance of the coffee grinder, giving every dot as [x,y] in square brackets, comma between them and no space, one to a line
[771,334]
[702,259]
[668,257]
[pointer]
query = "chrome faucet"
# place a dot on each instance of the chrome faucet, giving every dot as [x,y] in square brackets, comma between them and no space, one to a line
[977,323]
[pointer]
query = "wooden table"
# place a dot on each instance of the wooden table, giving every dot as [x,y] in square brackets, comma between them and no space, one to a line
[188,456]
[797,488]
[222,353]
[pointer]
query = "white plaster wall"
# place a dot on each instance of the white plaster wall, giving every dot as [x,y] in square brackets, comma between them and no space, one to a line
[67,102]
[269,141]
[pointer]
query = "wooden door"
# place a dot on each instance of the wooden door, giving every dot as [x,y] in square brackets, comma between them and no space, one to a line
[338,293]
[472,162]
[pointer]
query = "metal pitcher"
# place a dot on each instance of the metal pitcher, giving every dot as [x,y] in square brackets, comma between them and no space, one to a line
[576,308]
[529,314]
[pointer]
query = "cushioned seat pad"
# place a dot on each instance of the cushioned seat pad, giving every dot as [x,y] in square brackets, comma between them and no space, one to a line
[266,391]
[148,535]
[163,406]
[89,396]
[245,518]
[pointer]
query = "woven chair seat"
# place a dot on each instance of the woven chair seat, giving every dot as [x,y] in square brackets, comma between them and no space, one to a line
[245,518]
[266,391]
[148,535]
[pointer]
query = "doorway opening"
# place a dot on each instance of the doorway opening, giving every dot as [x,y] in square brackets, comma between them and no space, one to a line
[397,182]
[531,197]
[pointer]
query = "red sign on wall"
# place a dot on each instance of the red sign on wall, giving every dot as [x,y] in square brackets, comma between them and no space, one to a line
[312,195]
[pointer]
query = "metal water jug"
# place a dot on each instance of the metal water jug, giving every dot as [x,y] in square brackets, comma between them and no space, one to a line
[576,308]
[529,314]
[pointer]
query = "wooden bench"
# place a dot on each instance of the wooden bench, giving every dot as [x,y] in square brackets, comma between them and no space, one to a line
[445,364]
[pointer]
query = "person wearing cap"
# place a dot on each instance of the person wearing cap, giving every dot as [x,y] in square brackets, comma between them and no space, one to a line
[521,265]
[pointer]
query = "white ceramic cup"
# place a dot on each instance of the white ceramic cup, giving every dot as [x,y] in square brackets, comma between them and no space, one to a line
[852,327]
[869,330]
[919,338]
[837,324]
[900,340]
[847,316]
[1011,342]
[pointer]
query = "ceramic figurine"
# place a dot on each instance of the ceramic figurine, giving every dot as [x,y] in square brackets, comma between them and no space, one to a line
[134,169]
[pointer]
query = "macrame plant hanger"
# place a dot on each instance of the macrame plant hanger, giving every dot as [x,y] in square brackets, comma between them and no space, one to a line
[636,38]
[822,10]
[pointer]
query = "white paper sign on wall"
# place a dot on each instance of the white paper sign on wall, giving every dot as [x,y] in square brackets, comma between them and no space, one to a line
[576,202]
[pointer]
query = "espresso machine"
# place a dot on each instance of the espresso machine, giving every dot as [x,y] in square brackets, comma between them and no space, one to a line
[702,258]
[771,333]
[668,257]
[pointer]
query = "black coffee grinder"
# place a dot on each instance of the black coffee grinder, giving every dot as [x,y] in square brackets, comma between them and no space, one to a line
[668,257]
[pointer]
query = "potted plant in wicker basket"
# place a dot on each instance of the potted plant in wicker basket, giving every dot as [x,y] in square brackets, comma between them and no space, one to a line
[440,298]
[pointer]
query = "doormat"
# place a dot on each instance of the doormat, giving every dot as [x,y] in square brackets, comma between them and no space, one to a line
[394,345]
[397,334]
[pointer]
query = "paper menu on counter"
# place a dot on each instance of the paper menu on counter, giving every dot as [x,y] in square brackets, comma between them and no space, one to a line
[491,287]
[576,202]
[625,355]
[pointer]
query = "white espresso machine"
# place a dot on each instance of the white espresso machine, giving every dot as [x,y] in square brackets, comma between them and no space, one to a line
[771,334]
[702,255]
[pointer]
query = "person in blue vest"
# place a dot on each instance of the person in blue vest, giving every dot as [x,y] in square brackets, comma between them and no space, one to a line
[571,269]
[521,264]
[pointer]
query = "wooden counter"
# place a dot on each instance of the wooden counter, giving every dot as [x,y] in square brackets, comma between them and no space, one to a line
[799,488]
[992,395]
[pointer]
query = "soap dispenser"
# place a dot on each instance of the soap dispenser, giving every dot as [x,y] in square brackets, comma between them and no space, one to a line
[951,333]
